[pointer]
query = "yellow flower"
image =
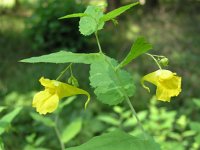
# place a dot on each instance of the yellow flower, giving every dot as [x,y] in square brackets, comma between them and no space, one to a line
[46,101]
[168,84]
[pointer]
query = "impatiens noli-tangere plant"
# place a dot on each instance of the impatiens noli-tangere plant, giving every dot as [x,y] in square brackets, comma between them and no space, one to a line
[112,84]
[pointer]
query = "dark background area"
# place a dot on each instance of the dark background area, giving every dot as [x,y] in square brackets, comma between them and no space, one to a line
[31,28]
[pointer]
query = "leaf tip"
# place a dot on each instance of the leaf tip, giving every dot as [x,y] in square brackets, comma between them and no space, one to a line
[60,18]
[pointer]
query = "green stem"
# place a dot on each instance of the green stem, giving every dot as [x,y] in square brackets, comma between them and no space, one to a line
[131,106]
[123,90]
[154,60]
[61,74]
[58,133]
[159,56]
[71,72]
[97,38]
[135,114]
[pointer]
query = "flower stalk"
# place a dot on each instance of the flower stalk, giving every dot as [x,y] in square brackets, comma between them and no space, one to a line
[152,56]
[62,145]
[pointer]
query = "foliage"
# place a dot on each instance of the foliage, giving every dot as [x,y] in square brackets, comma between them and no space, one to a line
[117,84]
[140,44]
[113,14]
[48,33]
[110,86]
[64,57]
[7,119]
[167,126]
[90,23]
[172,31]
[118,140]
[71,130]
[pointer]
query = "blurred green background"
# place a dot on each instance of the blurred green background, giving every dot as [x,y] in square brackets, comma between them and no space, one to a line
[31,28]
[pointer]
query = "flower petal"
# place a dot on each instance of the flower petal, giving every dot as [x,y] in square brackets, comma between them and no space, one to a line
[152,78]
[45,102]
[168,88]
[65,90]
[168,84]
[50,104]
[37,99]
[164,74]
[172,83]
[46,83]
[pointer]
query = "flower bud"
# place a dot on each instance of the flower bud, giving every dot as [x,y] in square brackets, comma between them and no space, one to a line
[164,61]
[73,81]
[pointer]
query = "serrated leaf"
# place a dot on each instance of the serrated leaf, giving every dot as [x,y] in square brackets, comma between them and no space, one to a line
[91,23]
[113,14]
[73,16]
[139,47]
[71,130]
[64,57]
[7,119]
[118,140]
[46,121]
[110,86]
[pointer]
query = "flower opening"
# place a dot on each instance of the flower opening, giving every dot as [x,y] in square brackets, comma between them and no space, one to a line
[46,101]
[168,84]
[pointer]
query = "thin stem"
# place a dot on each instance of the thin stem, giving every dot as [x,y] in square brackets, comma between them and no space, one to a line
[71,72]
[154,60]
[61,74]
[131,107]
[97,38]
[124,92]
[157,56]
[135,114]
[58,133]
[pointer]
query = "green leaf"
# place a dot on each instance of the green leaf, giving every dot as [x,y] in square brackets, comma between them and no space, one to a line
[2,108]
[197,102]
[188,133]
[118,140]
[109,120]
[91,23]
[64,57]
[39,140]
[170,145]
[195,126]
[113,14]
[1,144]
[110,86]
[7,119]
[46,121]
[139,47]
[73,15]
[66,102]
[197,138]
[30,138]
[71,130]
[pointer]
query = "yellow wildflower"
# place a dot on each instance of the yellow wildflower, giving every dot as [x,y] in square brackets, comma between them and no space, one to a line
[168,84]
[46,101]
